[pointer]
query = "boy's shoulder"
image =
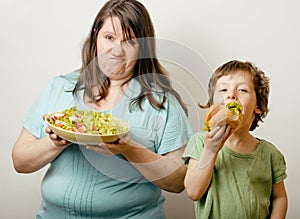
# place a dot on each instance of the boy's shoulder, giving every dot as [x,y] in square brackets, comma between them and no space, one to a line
[200,135]
[268,146]
[266,143]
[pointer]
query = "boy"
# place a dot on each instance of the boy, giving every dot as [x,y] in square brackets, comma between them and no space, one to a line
[231,173]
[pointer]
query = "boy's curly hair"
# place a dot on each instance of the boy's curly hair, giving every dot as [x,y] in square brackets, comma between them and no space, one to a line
[260,81]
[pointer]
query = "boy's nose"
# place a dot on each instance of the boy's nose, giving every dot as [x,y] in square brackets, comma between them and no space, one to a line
[231,95]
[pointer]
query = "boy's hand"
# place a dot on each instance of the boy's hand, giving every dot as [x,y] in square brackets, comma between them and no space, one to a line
[215,139]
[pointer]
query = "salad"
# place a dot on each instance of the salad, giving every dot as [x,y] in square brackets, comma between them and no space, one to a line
[84,121]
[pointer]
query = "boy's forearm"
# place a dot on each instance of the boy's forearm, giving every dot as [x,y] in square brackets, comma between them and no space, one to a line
[278,208]
[199,175]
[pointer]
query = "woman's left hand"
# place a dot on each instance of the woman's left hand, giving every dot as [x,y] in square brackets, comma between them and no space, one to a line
[122,145]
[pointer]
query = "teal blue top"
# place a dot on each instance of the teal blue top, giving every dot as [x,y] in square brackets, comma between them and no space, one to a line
[84,184]
[241,184]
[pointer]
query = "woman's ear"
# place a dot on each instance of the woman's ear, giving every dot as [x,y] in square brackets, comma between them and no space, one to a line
[258,110]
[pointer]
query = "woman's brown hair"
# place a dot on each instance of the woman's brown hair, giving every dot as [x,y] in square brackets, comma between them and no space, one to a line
[148,71]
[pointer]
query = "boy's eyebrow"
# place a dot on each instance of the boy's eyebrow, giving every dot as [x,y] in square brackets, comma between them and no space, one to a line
[240,83]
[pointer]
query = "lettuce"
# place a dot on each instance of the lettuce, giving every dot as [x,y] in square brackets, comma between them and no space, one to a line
[84,121]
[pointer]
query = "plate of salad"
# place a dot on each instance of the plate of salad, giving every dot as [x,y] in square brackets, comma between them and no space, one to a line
[86,126]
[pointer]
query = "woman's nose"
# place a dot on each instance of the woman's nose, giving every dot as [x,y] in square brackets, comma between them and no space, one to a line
[118,50]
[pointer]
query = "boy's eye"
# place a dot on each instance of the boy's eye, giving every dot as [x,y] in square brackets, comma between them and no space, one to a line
[243,90]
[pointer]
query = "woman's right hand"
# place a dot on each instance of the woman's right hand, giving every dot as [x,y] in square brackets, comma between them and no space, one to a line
[57,141]
[30,153]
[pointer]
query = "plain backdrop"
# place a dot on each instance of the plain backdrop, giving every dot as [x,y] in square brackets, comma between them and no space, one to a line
[42,39]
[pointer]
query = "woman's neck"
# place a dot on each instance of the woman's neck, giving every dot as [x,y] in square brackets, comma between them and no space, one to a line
[118,83]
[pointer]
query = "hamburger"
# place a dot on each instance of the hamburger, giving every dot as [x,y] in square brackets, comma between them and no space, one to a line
[219,114]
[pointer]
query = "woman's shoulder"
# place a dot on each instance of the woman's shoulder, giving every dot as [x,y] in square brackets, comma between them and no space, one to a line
[67,81]
[71,77]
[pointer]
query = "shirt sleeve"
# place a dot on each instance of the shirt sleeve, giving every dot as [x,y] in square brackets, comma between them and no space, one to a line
[194,147]
[56,96]
[176,131]
[278,167]
[33,121]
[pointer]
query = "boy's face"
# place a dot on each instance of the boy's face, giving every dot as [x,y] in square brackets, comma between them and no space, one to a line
[238,86]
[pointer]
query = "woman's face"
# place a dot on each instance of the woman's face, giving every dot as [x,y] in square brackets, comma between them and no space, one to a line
[116,56]
[238,86]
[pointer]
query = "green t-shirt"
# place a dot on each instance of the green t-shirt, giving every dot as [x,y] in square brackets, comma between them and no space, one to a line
[241,184]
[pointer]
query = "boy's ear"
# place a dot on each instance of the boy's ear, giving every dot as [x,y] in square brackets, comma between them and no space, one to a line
[258,110]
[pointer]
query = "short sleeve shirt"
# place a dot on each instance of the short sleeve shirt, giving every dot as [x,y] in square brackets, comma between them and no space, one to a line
[84,184]
[241,183]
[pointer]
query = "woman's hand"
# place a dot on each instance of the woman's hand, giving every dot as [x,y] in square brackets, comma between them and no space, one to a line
[121,146]
[57,141]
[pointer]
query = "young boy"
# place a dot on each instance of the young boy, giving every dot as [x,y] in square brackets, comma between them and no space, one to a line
[232,174]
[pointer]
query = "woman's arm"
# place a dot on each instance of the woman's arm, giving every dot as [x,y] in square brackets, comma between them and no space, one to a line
[30,154]
[166,171]
[279,201]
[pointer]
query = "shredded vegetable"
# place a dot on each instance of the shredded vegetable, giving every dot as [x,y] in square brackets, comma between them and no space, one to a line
[85,121]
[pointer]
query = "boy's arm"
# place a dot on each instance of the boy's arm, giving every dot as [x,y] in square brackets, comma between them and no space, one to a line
[198,178]
[279,201]
[199,172]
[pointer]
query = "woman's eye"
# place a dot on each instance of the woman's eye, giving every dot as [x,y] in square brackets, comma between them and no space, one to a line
[223,90]
[109,37]
[130,42]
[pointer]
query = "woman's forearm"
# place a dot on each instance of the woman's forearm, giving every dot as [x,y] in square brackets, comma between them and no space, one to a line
[31,154]
[166,172]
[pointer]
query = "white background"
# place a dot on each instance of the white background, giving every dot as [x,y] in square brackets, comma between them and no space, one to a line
[42,39]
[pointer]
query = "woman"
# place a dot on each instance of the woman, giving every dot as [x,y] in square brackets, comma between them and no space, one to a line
[120,75]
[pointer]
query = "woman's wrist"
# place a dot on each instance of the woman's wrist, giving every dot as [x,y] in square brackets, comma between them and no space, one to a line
[58,147]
